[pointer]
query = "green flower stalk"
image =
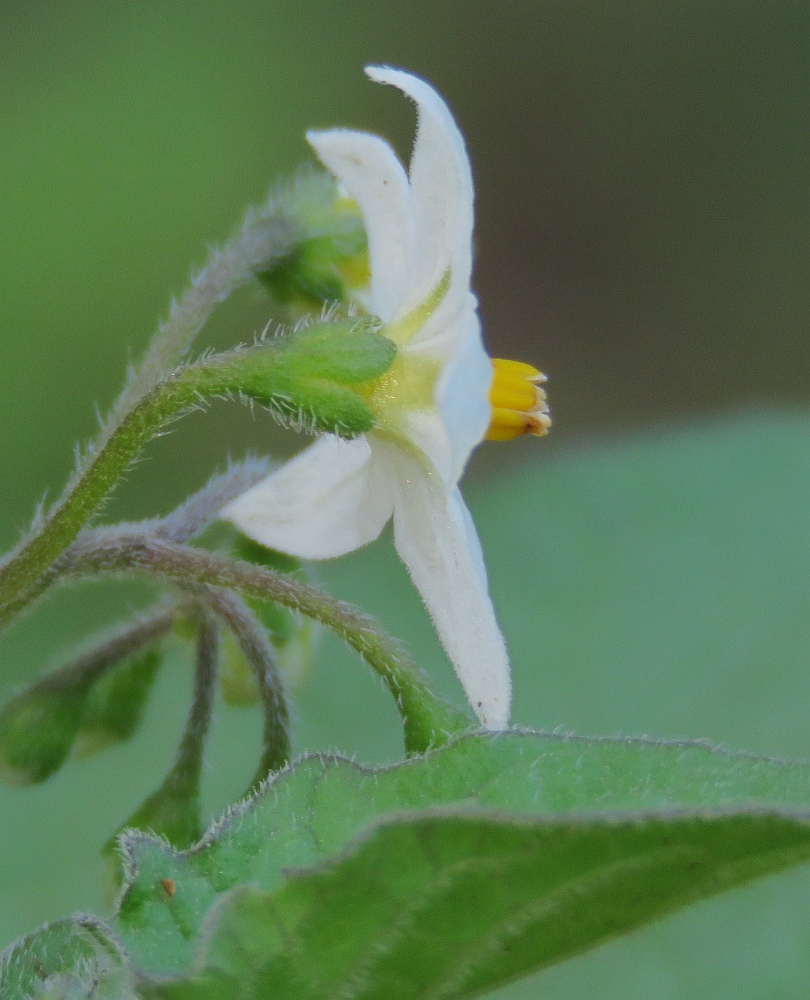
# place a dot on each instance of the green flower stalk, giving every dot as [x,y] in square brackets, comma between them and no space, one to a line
[173,811]
[309,380]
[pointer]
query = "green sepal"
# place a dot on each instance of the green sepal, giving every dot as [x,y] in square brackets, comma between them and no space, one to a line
[38,727]
[343,351]
[115,706]
[315,405]
[305,276]
[312,379]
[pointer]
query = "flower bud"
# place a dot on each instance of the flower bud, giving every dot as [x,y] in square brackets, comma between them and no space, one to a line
[37,730]
[115,705]
[328,267]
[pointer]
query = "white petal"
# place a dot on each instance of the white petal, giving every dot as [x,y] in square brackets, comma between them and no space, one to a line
[329,500]
[441,189]
[425,431]
[371,173]
[436,540]
[462,391]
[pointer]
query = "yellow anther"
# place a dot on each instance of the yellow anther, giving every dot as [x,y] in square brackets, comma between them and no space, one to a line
[517,400]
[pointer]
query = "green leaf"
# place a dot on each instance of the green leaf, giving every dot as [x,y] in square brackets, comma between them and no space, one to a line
[647,583]
[76,958]
[456,872]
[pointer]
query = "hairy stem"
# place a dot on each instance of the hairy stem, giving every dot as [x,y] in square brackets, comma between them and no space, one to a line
[21,575]
[187,769]
[267,235]
[173,810]
[202,508]
[252,638]
[90,666]
[428,720]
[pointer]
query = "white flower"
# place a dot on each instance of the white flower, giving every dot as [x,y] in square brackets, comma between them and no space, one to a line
[432,407]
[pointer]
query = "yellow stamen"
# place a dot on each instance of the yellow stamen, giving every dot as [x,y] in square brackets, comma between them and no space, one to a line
[518,403]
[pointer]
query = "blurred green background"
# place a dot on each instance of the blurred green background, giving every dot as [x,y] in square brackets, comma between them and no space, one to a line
[643,207]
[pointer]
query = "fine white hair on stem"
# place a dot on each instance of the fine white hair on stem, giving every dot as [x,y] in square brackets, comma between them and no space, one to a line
[266,235]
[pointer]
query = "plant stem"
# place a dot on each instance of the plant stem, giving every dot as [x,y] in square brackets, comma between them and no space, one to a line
[21,575]
[267,235]
[90,666]
[185,773]
[428,720]
[173,810]
[252,638]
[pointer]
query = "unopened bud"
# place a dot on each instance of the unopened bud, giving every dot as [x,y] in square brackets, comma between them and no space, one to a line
[115,705]
[330,266]
[37,730]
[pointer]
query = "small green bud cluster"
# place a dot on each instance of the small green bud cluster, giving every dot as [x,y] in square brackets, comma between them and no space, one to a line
[115,705]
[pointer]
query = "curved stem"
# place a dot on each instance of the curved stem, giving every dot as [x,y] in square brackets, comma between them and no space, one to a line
[185,773]
[428,720]
[266,236]
[256,647]
[90,666]
[21,575]
[173,810]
